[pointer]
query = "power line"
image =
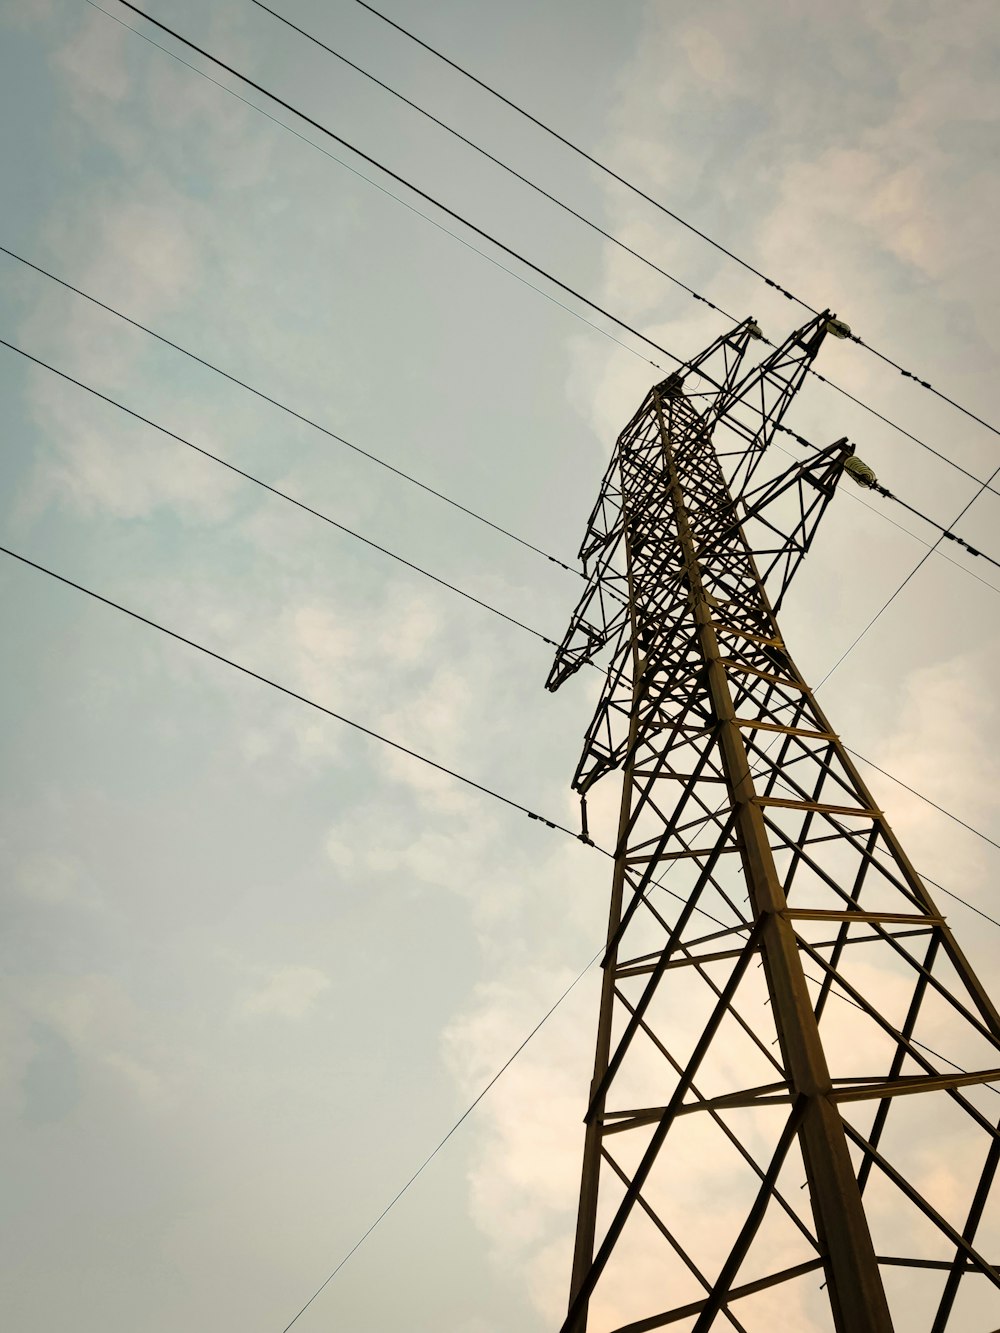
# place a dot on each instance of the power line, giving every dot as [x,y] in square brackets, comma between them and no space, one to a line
[291,411]
[401,180]
[519,277]
[486,606]
[282,495]
[636,190]
[946,532]
[504,166]
[292,694]
[880,612]
[396,745]
[913,792]
[916,568]
[984,485]
[464,1116]
[607,235]
[382,189]
[410,564]
[495,1078]
[461,240]
[329,712]
[581,152]
[880,514]
[964,901]
[406,476]
[880,416]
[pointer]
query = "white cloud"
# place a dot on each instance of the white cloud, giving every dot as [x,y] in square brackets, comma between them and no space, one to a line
[941,744]
[707,55]
[289,992]
[53,880]
[94,60]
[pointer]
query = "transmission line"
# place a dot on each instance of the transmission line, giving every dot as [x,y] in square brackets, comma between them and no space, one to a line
[402,180]
[406,476]
[291,411]
[916,568]
[504,166]
[913,792]
[291,694]
[461,1119]
[880,514]
[282,495]
[395,745]
[608,236]
[518,277]
[946,532]
[983,484]
[581,152]
[461,592]
[338,717]
[636,190]
[838,388]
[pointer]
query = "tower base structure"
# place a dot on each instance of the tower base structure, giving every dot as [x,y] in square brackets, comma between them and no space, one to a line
[791,1123]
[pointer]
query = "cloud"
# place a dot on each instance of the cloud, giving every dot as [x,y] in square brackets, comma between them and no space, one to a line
[52,880]
[940,743]
[707,55]
[289,992]
[100,1029]
[94,60]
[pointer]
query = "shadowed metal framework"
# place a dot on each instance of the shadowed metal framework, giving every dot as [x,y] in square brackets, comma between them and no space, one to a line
[777,980]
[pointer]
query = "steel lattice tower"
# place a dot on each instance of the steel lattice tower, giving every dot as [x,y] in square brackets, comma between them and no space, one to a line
[777,979]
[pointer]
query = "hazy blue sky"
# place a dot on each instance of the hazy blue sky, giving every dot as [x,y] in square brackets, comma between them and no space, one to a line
[255,964]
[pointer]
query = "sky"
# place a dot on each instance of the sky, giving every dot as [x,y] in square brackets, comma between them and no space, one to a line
[256,964]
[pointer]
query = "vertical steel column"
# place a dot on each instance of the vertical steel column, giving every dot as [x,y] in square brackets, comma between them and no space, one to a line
[586,1222]
[857,1295]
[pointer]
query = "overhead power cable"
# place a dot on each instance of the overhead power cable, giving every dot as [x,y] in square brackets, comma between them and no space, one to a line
[879,513]
[291,411]
[516,805]
[581,152]
[983,484]
[461,1119]
[406,476]
[894,425]
[964,901]
[513,273]
[385,740]
[913,792]
[607,235]
[504,166]
[946,532]
[338,717]
[461,592]
[530,813]
[274,490]
[290,693]
[439,226]
[402,180]
[656,203]
[915,570]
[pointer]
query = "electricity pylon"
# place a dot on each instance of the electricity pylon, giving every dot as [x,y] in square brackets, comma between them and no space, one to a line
[777,980]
